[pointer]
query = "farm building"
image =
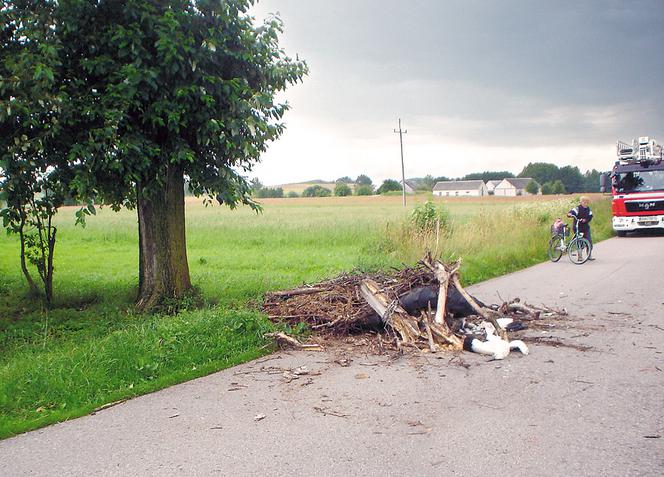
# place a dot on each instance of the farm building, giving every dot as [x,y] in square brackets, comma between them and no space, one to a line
[460,189]
[491,185]
[513,186]
[410,187]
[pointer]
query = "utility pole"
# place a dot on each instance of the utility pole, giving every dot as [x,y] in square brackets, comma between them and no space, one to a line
[403,174]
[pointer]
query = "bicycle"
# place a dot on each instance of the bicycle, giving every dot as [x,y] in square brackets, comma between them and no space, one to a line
[578,249]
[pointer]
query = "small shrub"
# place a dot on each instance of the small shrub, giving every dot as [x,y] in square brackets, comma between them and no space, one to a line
[316,191]
[532,187]
[292,195]
[426,217]
[364,189]
[342,190]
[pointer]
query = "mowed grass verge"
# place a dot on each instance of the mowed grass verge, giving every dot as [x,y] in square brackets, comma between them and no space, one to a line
[92,348]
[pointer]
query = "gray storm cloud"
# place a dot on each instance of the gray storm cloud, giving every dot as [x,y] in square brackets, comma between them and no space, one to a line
[493,73]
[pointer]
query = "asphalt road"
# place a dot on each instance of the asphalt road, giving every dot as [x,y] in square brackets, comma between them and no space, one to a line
[557,411]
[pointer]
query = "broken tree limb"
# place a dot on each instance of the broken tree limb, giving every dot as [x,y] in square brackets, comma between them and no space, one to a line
[369,291]
[521,308]
[426,317]
[449,339]
[390,312]
[405,326]
[296,292]
[478,309]
[442,274]
[284,340]
[328,324]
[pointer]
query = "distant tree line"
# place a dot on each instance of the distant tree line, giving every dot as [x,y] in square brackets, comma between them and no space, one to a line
[344,186]
[488,176]
[561,180]
[553,179]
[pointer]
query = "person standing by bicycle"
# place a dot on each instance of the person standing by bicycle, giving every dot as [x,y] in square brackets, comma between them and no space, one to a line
[583,215]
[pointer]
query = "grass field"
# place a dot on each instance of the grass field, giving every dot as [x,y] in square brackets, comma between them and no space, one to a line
[92,348]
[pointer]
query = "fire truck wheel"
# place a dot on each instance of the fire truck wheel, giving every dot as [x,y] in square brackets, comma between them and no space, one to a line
[621,233]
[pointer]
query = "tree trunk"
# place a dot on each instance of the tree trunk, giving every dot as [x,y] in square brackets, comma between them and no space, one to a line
[163,267]
[34,291]
[48,266]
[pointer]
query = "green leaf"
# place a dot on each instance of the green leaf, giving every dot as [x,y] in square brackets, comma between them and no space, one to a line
[38,72]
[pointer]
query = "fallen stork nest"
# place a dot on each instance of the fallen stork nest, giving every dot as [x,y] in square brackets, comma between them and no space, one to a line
[424,308]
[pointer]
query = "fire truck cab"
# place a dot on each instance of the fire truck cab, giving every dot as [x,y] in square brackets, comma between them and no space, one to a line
[637,184]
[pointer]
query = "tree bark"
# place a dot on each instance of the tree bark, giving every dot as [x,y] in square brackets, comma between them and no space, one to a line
[163,266]
[34,290]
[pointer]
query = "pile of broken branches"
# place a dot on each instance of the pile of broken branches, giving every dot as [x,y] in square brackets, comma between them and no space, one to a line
[424,308]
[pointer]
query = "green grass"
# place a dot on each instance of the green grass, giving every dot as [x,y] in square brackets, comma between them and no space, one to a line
[92,348]
[41,385]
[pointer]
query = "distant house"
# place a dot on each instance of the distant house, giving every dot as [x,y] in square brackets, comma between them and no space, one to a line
[460,189]
[513,186]
[410,187]
[491,185]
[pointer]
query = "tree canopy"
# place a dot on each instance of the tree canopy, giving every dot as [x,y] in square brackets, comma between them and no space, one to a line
[316,191]
[364,189]
[570,177]
[137,95]
[487,176]
[532,187]
[389,185]
[342,189]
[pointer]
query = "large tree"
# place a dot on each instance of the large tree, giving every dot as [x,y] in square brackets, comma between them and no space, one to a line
[572,178]
[389,185]
[363,179]
[541,171]
[156,91]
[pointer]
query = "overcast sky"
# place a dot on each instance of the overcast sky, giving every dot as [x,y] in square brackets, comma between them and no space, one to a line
[479,85]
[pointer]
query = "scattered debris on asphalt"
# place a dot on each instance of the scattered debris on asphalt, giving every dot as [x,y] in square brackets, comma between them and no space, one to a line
[424,308]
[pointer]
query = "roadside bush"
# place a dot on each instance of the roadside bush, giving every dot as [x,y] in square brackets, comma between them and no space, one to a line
[316,191]
[427,217]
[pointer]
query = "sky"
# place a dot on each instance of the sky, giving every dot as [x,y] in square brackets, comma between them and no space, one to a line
[478,85]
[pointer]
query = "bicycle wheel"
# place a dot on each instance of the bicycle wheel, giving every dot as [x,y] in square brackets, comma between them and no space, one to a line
[579,251]
[556,247]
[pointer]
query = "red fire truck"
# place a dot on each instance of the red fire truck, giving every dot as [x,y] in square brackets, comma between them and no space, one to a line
[637,184]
